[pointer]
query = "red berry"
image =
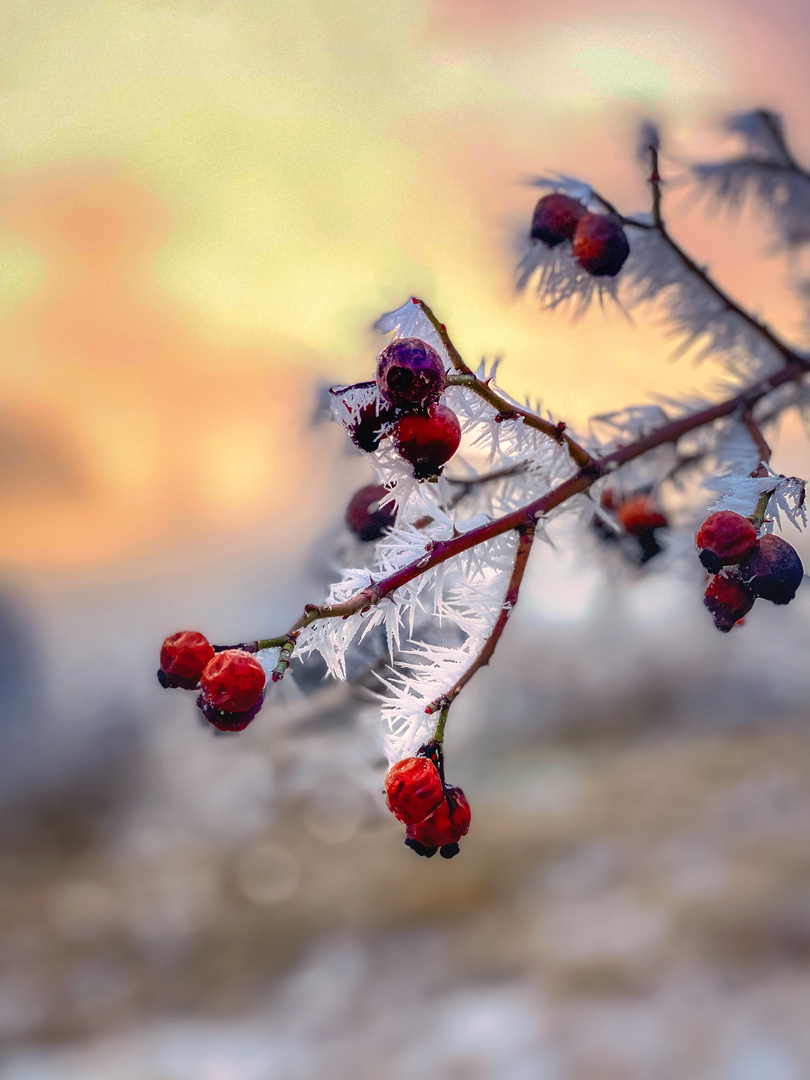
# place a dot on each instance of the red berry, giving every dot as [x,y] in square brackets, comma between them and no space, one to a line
[365,517]
[728,600]
[600,245]
[639,514]
[233,681]
[444,827]
[413,789]
[555,219]
[724,539]
[182,659]
[773,570]
[410,373]
[369,428]
[427,442]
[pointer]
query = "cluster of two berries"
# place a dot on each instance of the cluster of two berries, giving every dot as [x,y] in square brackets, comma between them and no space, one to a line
[230,681]
[435,815]
[598,241]
[746,567]
[410,379]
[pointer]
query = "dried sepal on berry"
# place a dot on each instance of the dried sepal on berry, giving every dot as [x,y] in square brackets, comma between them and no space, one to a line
[410,374]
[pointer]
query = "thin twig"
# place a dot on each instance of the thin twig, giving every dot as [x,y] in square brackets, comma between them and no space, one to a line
[506,409]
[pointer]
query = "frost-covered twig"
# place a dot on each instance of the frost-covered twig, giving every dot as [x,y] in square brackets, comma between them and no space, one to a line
[505,408]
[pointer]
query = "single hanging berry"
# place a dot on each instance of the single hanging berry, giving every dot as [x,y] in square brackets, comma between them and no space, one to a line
[364,515]
[410,374]
[725,539]
[555,218]
[413,789]
[773,570]
[443,829]
[369,428]
[641,517]
[428,441]
[183,657]
[728,600]
[231,689]
[600,245]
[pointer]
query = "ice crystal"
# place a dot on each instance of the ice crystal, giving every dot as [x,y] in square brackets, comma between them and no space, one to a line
[741,493]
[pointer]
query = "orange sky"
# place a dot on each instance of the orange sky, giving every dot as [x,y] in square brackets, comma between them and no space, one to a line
[203,206]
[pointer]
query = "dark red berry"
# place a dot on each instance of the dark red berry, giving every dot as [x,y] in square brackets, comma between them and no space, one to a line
[182,659]
[228,721]
[600,245]
[427,442]
[413,789]
[555,219]
[233,681]
[365,517]
[639,515]
[410,374]
[773,570]
[724,539]
[445,826]
[369,428]
[728,600]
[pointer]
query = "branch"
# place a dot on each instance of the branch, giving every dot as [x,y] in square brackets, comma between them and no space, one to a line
[506,409]
[442,704]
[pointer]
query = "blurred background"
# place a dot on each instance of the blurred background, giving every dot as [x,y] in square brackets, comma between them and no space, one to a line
[203,207]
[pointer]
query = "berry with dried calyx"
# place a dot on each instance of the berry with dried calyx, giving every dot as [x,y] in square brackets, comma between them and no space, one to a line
[183,657]
[410,374]
[428,441]
[371,426]
[728,600]
[600,245]
[364,515]
[233,682]
[443,829]
[725,539]
[413,789]
[773,570]
[555,218]
[228,721]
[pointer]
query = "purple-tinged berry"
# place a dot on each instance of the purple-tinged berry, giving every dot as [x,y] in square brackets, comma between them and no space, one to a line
[183,657]
[364,515]
[728,600]
[773,570]
[410,374]
[428,441]
[233,681]
[725,539]
[600,245]
[555,219]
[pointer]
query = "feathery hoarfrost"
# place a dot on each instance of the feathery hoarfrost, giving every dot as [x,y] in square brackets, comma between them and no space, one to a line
[765,172]
[654,279]
[462,597]
[740,493]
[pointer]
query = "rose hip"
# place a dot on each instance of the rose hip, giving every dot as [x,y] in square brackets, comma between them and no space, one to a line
[773,570]
[410,374]
[413,789]
[555,219]
[182,659]
[728,600]
[233,681]
[600,245]
[724,539]
[428,441]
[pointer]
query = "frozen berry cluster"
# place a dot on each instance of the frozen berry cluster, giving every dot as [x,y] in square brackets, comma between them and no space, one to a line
[598,241]
[435,814]
[745,567]
[230,681]
[410,380]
